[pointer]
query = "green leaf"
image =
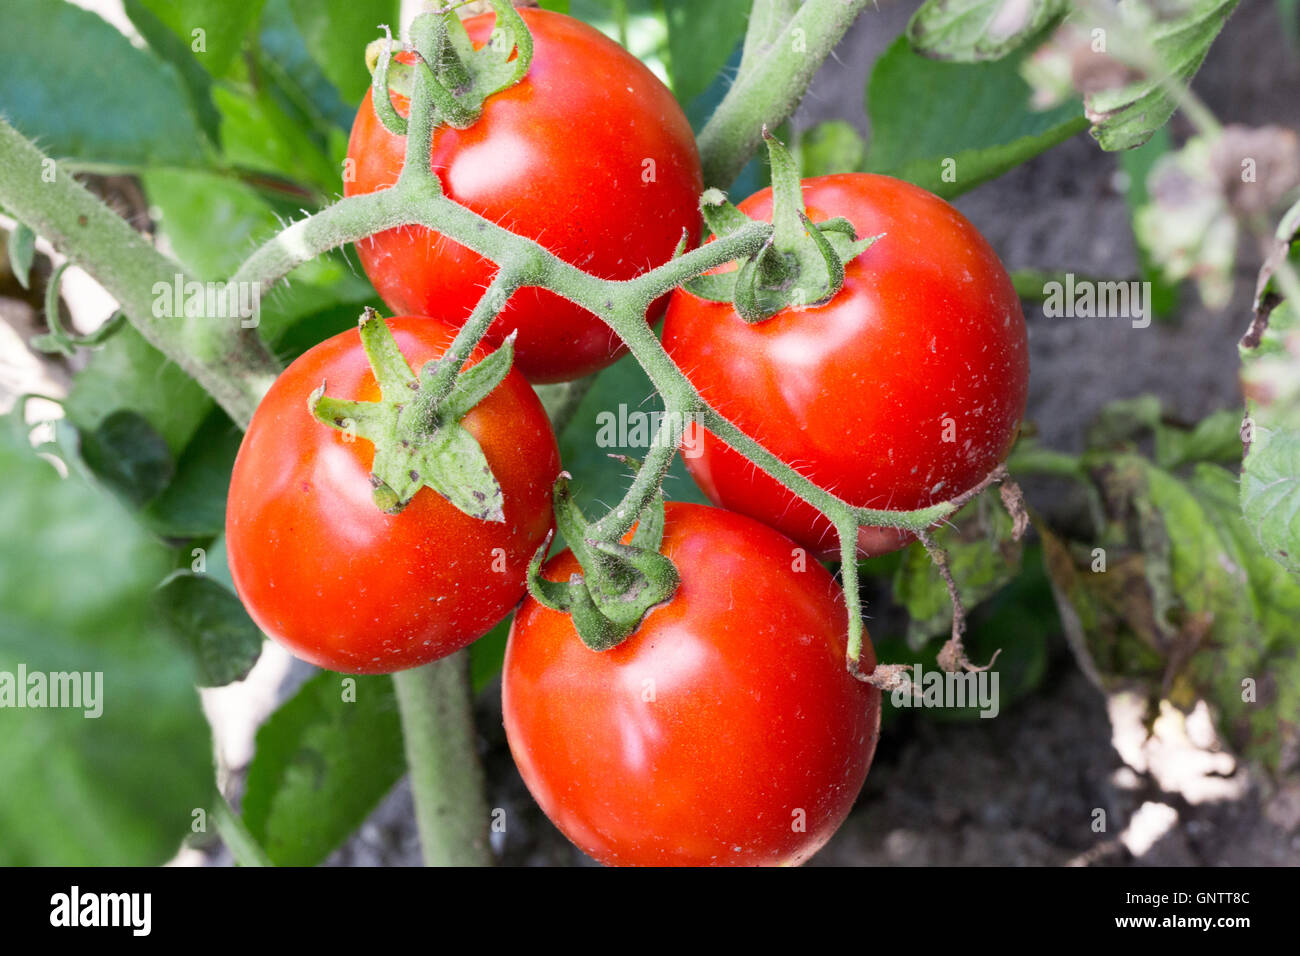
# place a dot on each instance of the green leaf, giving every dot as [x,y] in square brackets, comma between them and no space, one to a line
[1126,117]
[259,135]
[212,221]
[1217,437]
[129,373]
[1186,605]
[208,621]
[197,81]
[21,245]
[830,147]
[969,31]
[212,30]
[337,31]
[76,573]
[193,505]
[1270,494]
[323,761]
[1121,421]
[128,455]
[283,56]
[77,86]
[701,38]
[975,125]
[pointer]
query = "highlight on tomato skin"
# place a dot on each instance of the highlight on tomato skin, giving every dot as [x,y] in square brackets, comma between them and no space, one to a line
[904,390]
[531,163]
[725,731]
[345,586]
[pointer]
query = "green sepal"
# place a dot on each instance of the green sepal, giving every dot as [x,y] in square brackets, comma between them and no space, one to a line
[418,439]
[388,74]
[457,77]
[720,215]
[620,582]
[801,264]
[715,287]
[476,382]
[555,595]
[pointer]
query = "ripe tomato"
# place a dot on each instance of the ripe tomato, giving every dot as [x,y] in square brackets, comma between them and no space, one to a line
[342,584]
[589,154]
[904,390]
[725,730]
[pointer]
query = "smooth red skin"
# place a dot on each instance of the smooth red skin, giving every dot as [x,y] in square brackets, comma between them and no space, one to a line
[754,716]
[340,583]
[854,393]
[557,158]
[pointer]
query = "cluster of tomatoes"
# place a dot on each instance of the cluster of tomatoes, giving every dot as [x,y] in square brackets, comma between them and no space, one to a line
[726,729]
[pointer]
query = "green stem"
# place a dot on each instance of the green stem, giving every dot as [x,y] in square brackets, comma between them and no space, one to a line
[348,220]
[488,307]
[649,479]
[777,66]
[246,850]
[847,529]
[230,362]
[442,755]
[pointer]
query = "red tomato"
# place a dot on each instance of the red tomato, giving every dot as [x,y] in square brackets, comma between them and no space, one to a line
[342,584]
[904,390]
[589,154]
[725,730]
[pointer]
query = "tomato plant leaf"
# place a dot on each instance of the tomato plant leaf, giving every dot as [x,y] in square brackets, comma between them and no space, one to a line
[1270,378]
[197,81]
[976,125]
[129,373]
[830,147]
[128,455]
[701,39]
[283,55]
[193,504]
[99,75]
[325,758]
[212,29]
[208,621]
[968,31]
[1270,494]
[1126,117]
[1175,596]
[258,134]
[337,31]
[116,780]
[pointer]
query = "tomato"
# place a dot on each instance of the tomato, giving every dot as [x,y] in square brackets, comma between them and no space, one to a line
[589,154]
[342,584]
[904,390]
[724,730]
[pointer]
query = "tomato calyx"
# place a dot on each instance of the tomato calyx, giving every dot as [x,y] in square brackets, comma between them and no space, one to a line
[459,77]
[801,264]
[415,426]
[621,582]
